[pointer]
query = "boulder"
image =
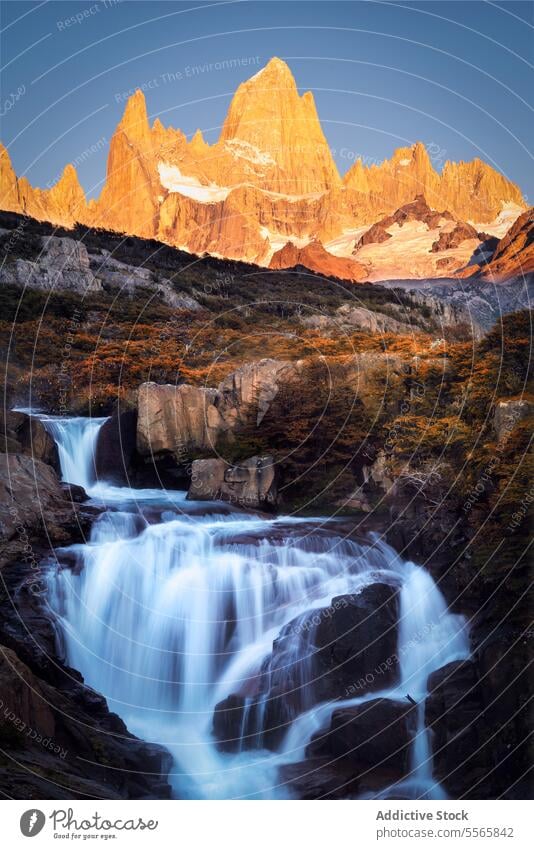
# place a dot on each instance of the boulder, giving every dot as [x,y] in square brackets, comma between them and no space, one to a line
[63,264]
[228,723]
[30,495]
[116,447]
[508,413]
[344,650]
[180,420]
[74,492]
[10,422]
[24,434]
[356,643]
[251,483]
[186,421]
[37,442]
[374,734]
[250,390]
[364,749]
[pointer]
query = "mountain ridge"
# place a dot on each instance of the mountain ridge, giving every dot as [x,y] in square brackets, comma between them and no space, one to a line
[270,179]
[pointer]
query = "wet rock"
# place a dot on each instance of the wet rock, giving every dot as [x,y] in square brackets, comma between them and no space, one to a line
[375,735]
[37,442]
[356,643]
[228,723]
[364,749]
[116,448]
[250,484]
[349,649]
[319,778]
[74,492]
[454,714]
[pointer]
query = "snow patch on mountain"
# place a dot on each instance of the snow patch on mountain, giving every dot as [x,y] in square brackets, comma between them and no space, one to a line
[508,215]
[173,180]
[241,149]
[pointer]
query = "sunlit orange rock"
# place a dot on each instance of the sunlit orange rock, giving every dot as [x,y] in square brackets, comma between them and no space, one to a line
[269,180]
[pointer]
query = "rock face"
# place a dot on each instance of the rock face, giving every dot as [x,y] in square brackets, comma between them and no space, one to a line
[22,434]
[269,179]
[179,420]
[454,712]
[187,420]
[128,280]
[416,210]
[349,318]
[61,264]
[405,243]
[454,238]
[514,254]
[25,697]
[469,190]
[249,390]
[115,448]
[315,257]
[251,483]
[30,494]
[269,121]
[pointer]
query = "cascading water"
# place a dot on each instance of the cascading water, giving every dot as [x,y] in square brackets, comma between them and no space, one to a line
[76,442]
[176,605]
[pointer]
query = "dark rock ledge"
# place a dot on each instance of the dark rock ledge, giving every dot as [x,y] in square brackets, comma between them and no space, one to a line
[58,738]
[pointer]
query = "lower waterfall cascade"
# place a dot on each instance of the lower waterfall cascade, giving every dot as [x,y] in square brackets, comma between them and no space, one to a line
[174,605]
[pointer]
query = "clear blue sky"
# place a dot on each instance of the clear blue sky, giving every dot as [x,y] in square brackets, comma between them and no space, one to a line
[456,75]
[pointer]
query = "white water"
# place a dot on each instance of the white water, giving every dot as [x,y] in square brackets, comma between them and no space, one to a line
[176,606]
[76,442]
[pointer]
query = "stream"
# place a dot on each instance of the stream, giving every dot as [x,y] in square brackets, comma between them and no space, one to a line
[172,605]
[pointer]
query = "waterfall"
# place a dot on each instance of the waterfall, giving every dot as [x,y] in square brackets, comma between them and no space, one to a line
[76,442]
[174,606]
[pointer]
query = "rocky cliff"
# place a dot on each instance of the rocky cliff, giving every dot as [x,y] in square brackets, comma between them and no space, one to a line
[269,180]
